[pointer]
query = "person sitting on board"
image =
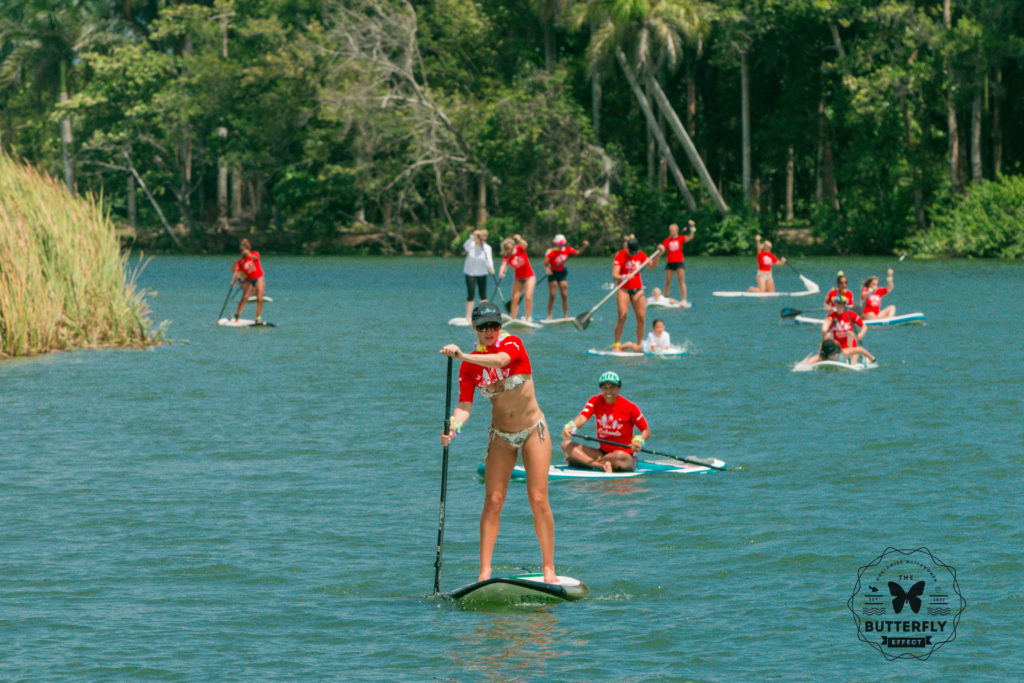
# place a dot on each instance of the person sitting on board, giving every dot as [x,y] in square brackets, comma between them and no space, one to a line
[500,368]
[840,288]
[829,350]
[479,264]
[554,266]
[513,253]
[658,299]
[656,341]
[871,296]
[248,269]
[765,260]
[616,417]
[839,324]
[626,267]
[674,258]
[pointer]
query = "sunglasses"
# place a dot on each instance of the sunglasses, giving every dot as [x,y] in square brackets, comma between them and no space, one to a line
[488,327]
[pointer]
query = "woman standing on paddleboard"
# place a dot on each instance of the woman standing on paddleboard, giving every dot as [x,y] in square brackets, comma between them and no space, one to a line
[249,270]
[554,266]
[513,252]
[765,260]
[626,266]
[500,368]
[479,264]
[674,258]
[871,295]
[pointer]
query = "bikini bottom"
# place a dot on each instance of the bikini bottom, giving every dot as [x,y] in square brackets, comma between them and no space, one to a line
[517,439]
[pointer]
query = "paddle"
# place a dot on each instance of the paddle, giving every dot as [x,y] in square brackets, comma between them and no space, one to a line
[789,312]
[582,321]
[686,458]
[810,284]
[508,304]
[444,478]
[231,288]
[497,287]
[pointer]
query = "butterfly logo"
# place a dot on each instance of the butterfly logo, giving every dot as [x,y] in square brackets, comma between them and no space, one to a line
[912,596]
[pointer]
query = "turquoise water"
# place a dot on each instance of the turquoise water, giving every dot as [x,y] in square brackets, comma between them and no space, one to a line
[263,504]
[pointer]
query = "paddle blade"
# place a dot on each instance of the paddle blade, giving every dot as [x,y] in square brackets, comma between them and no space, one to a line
[582,321]
[508,307]
[789,312]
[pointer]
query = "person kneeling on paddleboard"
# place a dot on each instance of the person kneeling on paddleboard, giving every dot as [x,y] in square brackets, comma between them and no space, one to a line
[839,324]
[616,419]
[249,270]
[500,368]
[829,350]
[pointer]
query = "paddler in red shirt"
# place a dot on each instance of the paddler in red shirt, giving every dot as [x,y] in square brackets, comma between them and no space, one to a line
[249,271]
[616,417]
[626,267]
[674,258]
[839,325]
[765,260]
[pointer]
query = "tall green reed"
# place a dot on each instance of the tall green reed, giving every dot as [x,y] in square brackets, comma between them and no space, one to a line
[64,283]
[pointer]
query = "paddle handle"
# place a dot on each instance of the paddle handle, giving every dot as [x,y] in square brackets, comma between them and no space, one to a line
[444,478]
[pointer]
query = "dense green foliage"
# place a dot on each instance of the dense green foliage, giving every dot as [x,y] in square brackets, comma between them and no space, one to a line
[987,222]
[392,125]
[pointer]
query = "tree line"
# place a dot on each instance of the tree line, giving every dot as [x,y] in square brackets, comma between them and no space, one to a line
[395,125]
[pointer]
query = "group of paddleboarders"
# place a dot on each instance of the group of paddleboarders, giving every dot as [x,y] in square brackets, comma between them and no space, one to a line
[499,368]
[839,338]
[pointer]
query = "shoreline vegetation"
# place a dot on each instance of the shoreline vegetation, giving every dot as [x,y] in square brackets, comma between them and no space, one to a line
[64,282]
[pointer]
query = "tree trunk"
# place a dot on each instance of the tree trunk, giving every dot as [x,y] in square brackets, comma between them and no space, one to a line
[595,104]
[651,125]
[222,184]
[548,20]
[745,120]
[952,130]
[977,171]
[691,99]
[790,182]
[919,214]
[65,133]
[237,192]
[481,201]
[684,139]
[828,188]
[997,126]
[658,135]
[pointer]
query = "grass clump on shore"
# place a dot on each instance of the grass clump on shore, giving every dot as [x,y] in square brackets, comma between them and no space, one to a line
[64,283]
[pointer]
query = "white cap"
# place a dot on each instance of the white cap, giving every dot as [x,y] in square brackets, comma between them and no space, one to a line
[559,239]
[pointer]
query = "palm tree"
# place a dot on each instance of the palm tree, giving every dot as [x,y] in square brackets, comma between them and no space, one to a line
[43,43]
[643,36]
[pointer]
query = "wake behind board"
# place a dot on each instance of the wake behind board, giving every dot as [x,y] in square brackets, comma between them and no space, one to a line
[243,322]
[518,589]
[664,302]
[833,365]
[670,353]
[521,323]
[643,467]
[905,319]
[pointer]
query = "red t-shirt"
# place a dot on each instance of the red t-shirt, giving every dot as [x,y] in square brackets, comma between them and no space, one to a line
[615,421]
[629,264]
[842,328]
[473,376]
[250,265]
[520,262]
[848,295]
[674,248]
[765,259]
[556,258]
[873,301]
